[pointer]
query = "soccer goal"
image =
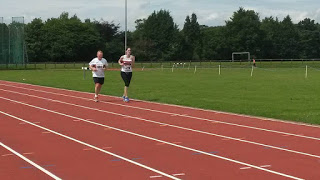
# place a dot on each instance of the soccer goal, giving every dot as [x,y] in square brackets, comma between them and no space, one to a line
[240,53]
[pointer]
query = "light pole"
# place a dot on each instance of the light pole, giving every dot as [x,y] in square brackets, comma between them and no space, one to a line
[9,43]
[126,25]
[16,56]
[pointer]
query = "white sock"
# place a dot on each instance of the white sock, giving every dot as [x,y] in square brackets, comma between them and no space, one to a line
[96,95]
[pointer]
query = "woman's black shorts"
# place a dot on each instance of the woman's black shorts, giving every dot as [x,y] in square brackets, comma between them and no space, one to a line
[98,80]
[126,76]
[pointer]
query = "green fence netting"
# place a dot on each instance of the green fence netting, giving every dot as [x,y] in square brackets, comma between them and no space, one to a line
[12,42]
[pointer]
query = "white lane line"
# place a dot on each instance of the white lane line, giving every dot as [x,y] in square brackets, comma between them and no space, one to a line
[250,127]
[150,138]
[198,109]
[28,153]
[30,162]
[180,174]
[162,104]
[151,177]
[160,123]
[4,155]
[181,115]
[264,166]
[91,146]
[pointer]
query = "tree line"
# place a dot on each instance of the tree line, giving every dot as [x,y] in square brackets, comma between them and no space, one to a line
[158,38]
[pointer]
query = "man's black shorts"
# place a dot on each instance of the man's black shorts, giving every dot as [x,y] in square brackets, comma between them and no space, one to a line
[98,80]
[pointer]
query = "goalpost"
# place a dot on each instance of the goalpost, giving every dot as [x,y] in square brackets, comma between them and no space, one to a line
[240,53]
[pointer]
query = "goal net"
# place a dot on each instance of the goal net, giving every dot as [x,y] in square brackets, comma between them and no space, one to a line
[241,54]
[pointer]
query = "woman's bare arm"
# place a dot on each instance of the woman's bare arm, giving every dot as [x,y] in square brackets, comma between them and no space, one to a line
[133,61]
[120,63]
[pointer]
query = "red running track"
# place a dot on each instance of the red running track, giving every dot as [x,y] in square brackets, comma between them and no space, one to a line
[13,167]
[179,142]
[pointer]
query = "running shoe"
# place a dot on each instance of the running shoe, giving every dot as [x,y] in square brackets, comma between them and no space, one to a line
[126,99]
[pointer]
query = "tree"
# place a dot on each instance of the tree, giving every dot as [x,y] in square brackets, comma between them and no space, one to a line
[68,39]
[271,39]
[289,47]
[142,47]
[34,40]
[243,31]
[310,38]
[191,43]
[111,40]
[215,44]
[157,35]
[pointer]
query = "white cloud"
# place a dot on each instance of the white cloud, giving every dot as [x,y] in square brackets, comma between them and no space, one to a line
[212,16]
[296,15]
[316,15]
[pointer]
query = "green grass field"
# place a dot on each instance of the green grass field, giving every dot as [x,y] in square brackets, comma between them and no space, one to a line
[282,93]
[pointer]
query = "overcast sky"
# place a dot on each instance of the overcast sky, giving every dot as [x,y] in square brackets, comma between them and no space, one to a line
[210,12]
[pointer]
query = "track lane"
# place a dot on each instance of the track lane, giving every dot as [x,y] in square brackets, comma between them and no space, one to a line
[144,126]
[243,121]
[165,157]
[180,109]
[14,168]
[66,159]
[260,138]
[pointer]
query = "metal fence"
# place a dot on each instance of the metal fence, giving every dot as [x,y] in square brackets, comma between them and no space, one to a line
[263,63]
[12,42]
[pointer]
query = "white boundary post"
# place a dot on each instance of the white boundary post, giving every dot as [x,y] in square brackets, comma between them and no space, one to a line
[172,68]
[84,71]
[219,70]
[195,69]
[306,71]
[252,71]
